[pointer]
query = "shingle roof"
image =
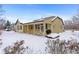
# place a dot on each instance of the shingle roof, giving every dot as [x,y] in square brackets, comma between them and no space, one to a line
[45,18]
[42,19]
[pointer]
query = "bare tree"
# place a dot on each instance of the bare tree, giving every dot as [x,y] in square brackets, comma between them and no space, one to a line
[17,48]
[75,20]
[2,21]
[63,47]
[73,23]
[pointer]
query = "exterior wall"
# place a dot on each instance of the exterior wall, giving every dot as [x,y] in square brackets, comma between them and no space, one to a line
[18,25]
[15,27]
[57,26]
[24,28]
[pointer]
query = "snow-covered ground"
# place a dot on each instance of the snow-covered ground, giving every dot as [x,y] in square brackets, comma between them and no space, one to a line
[64,43]
[67,35]
[35,43]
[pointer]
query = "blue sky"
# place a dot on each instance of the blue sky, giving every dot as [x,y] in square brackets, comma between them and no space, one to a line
[30,12]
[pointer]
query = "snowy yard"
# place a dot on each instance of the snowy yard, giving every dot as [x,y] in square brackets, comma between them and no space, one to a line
[67,35]
[36,44]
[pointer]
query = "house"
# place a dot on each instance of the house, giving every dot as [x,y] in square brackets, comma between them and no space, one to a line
[40,26]
[12,26]
[18,27]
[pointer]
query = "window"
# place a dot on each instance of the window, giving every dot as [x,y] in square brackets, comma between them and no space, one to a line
[31,27]
[26,27]
[37,26]
[42,28]
[17,27]
[20,27]
[48,26]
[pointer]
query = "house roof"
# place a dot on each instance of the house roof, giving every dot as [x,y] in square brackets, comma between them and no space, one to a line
[52,18]
[18,22]
[59,18]
[42,19]
[45,18]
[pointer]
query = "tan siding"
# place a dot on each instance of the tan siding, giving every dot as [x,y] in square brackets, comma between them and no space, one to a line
[57,25]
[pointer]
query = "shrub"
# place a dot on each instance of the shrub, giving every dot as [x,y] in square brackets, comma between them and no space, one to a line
[0,32]
[0,42]
[48,31]
[62,47]
[17,48]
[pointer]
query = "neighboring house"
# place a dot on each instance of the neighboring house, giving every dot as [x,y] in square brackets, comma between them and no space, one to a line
[12,26]
[18,27]
[40,26]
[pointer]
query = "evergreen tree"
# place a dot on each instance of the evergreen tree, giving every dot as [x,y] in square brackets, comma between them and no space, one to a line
[17,21]
[7,25]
